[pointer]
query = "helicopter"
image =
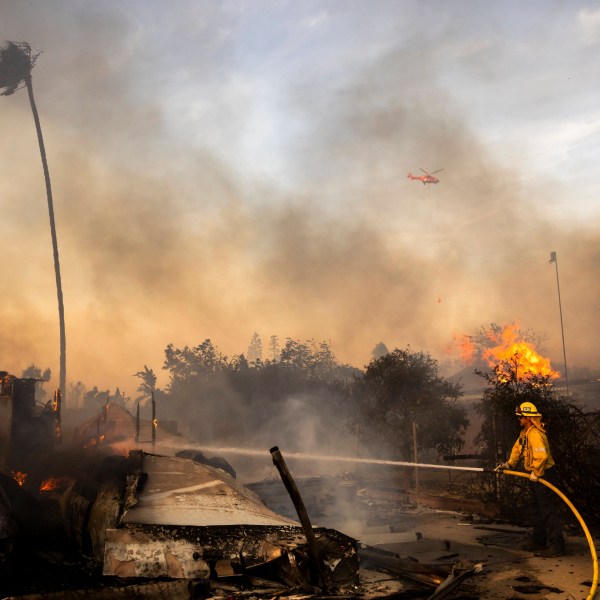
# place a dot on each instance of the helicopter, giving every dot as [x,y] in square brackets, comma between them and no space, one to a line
[427,178]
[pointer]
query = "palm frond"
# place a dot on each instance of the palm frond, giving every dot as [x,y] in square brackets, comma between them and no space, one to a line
[16,62]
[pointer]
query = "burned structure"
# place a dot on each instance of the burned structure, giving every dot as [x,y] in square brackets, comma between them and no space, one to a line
[140,516]
[96,513]
[28,430]
[149,517]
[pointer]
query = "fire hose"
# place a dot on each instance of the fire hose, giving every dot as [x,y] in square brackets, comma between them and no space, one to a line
[547,484]
[581,522]
[480,470]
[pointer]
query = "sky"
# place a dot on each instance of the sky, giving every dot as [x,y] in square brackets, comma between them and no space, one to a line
[225,168]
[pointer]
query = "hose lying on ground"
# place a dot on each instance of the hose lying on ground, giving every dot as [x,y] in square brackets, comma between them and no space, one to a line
[581,522]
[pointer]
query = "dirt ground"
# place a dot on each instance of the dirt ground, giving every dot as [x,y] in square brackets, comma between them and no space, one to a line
[435,536]
[463,538]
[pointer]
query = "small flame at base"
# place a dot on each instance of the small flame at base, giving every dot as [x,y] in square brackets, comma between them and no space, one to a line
[19,477]
[55,483]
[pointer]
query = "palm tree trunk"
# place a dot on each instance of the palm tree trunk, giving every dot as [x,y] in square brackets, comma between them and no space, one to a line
[61,308]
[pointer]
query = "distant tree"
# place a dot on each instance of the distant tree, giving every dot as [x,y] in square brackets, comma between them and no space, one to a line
[313,360]
[379,351]
[225,400]
[34,372]
[402,388]
[77,393]
[96,398]
[198,388]
[202,361]
[324,358]
[274,348]
[147,382]
[239,363]
[16,64]
[295,354]
[255,349]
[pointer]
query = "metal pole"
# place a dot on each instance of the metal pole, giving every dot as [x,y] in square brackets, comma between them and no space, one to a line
[357,471]
[554,259]
[154,423]
[137,423]
[416,459]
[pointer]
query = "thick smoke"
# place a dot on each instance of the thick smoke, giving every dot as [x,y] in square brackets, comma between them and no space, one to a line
[165,238]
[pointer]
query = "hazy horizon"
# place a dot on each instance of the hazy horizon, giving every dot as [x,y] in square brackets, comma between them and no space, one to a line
[221,169]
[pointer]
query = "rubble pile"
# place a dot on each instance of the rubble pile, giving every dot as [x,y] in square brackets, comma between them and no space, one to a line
[142,522]
[78,520]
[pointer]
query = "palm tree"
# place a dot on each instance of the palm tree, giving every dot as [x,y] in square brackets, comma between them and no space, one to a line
[16,63]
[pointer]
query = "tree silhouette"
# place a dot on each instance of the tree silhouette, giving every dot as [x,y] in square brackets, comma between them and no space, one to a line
[255,349]
[147,382]
[34,372]
[274,347]
[379,351]
[401,388]
[16,64]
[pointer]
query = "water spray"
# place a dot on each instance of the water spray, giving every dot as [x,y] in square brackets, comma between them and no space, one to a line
[349,459]
[398,463]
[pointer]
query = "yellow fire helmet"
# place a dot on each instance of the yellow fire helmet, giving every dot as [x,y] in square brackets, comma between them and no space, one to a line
[527,409]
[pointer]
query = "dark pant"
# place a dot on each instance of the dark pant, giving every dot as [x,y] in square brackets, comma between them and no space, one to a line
[545,516]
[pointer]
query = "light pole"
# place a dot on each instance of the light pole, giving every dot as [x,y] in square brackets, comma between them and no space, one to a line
[554,260]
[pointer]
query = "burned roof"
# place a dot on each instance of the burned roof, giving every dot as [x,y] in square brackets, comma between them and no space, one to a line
[179,491]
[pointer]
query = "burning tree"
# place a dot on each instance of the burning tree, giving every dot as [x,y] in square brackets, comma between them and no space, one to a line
[509,384]
[573,435]
[519,374]
[496,342]
[16,63]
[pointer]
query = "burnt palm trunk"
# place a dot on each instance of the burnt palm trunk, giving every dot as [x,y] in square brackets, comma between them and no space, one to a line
[59,293]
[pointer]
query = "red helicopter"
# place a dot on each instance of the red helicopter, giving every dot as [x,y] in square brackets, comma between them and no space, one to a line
[427,178]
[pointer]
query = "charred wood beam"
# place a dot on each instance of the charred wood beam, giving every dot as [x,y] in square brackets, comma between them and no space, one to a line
[453,581]
[292,489]
[428,575]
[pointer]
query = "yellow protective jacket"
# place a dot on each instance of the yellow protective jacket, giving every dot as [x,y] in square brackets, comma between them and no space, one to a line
[532,446]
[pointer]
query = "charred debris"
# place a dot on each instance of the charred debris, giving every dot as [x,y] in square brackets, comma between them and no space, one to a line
[77,519]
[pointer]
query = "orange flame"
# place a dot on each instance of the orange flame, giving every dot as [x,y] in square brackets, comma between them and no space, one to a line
[54,483]
[49,485]
[466,346]
[94,441]
[154,423]
[513,348]
[498,346]
[19,477]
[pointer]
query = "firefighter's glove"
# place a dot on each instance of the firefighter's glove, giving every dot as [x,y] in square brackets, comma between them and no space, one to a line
[533,477]
[502,466]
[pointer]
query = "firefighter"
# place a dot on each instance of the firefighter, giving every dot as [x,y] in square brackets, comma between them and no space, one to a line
[533,450]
